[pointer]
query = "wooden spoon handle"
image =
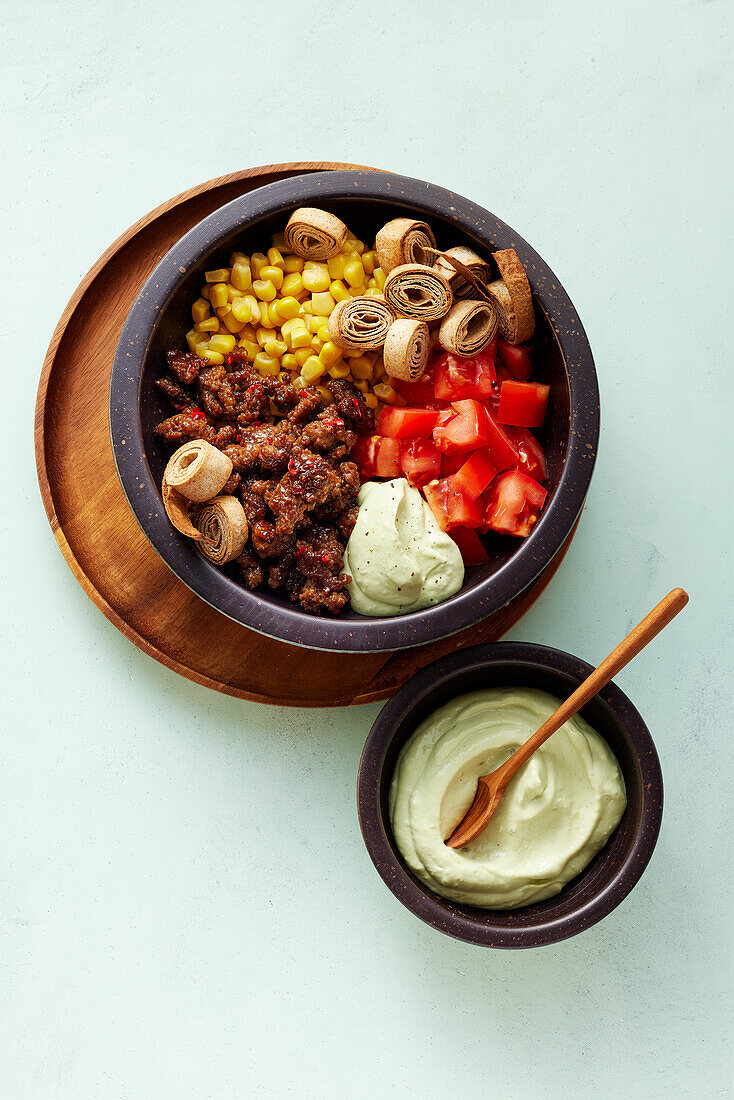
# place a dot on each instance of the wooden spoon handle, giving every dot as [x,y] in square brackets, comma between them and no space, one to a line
[636,640]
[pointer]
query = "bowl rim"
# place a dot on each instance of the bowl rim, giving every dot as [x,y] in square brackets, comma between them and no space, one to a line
[444,915]
[291,625]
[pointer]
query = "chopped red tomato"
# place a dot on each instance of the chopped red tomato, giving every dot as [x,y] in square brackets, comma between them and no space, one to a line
[513,503]
[376,456]
[420,393]
[451,463]
[532,459]
[523,404]
[456,379]
[474,475]
[407,423]
[463,427]
[516,359]
[452,507]
[470,546]
[500,448]
[420,461]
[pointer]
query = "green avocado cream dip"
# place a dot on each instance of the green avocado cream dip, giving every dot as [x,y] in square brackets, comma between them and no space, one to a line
[557,813]
[398,557]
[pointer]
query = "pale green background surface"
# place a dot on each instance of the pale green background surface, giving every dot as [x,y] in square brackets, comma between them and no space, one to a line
[159,937]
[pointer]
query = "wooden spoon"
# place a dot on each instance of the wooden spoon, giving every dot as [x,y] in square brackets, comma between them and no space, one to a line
[491,788]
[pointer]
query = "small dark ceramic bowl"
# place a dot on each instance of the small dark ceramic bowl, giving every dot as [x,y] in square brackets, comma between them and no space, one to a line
[365,200]
[611,874]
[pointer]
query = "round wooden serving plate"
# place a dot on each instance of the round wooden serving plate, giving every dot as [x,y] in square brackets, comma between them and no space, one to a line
[100,538]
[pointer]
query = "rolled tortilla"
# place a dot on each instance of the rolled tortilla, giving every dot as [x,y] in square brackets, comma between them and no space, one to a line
[478,267]
[415,290]
[197,470]
[468,328]
[404,241]
[177,510]
[361,323]
[512,298]
[314,234]
[223,525]
[406,349]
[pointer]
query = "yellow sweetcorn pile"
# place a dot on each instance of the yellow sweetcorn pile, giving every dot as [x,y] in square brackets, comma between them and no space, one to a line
[276,307]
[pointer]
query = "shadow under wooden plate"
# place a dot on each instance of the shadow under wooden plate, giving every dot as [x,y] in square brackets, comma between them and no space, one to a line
[100,538]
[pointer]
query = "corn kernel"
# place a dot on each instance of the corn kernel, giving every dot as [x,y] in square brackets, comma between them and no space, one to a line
[361,367]
[219,294]
[361,385]
[289,361]
[250,347]
[306,308]
[338,291]
[266,364]
[292,285]
[339,370]
[323,304]
[323,334]
[206,293]
[220,275]
[354,245]
[313,323]
[385,393]
[298,383]
[302,354]
[241,277]
[215,357]
[373,292]
[239,258]
[265,334]
[276,348]
[379,276]
[222,311]
[231,324]
[300,338]
[264,289]
[292,264]
[278,241]
[317,344]
[273,275]
[369,262]
[370,401]
[257,263]
[191,339]
[223,344]
[354,273]
[330,354]
[241,309]
[335,266]
[275,258]
[316,277]
[200,310]
[288,308]
[312,369]
[211,324]
[325,394]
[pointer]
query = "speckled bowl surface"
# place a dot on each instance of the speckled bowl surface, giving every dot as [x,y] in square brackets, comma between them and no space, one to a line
[365,200]
[611,874]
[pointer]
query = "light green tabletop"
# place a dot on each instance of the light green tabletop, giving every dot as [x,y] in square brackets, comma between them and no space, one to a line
[159,938]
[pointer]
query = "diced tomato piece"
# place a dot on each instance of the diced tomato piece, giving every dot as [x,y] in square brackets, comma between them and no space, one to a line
[407,423]
[516,359]
[451,463]
[420,461]
[470,545]
[452,507]
[513,503]
[457,379]
[500,448]
[532,459]
[462,428]
[523,404]
[377,456]
[474,476]
[420,393]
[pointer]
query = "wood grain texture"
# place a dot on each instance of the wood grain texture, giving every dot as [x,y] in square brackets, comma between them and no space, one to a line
[100,538]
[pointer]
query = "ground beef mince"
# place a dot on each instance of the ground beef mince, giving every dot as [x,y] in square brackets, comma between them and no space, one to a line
[290,468]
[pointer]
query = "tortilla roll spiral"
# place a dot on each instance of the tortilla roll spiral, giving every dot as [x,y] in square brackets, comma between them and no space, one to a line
[177,510]
[468,328]
[404,241]
[512,298]
[361,323]
[478,267]
[314,234]
[405,353]
[197,470]
[415,290]
[223,526]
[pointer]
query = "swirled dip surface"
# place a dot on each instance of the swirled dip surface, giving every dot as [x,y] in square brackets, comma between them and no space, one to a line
[557,813]
[398,557]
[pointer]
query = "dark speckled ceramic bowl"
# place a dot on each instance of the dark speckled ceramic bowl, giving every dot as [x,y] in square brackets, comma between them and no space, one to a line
[611,874]
[365,200]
